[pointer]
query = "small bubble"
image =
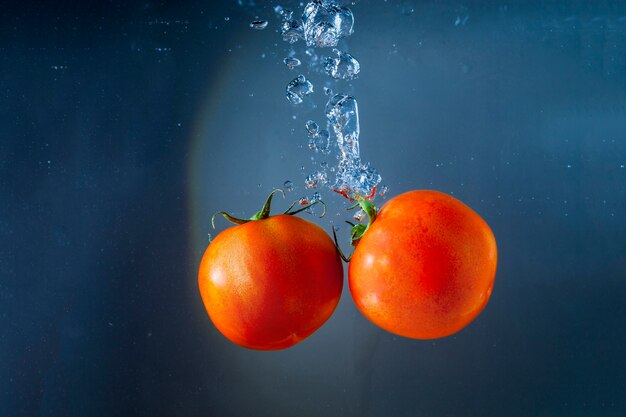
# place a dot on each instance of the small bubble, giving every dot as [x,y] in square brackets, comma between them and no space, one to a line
[303,201]
[315,179]
[258,24]
[316,197]
[312,128]
[291,62]
[227,18]
[328,91]
[320,142]
[288,185]
[359,216]
[383,191]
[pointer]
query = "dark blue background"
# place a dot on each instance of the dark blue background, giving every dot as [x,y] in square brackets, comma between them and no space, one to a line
[124,126]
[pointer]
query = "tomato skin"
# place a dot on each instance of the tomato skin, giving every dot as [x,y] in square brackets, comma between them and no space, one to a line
[425,267]
[268,284]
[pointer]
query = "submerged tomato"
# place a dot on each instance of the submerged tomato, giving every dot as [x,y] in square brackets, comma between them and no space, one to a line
[268,284]
[425,267]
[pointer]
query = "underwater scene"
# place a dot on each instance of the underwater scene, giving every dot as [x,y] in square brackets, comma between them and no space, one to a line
[313,208]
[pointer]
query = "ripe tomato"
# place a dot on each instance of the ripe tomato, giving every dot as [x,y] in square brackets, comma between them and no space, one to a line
[425,267]
[270,283]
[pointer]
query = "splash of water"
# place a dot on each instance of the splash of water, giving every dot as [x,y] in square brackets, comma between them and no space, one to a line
[323,24]
[353,178]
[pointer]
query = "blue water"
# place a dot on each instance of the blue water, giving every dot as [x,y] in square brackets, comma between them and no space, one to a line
[123,127]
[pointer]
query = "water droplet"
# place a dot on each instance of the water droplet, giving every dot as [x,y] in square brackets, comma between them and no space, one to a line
[278,9]
[291,62]
[303,201]
[298,88]
[227,18]
[259,24]
[344,66]
[328,91]
[316,197]
[383,191]
[288,185]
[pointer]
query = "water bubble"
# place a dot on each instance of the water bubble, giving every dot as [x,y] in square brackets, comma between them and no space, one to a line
[298,88]
[288,185]
[303,201]
[383,191]
[359,216]
[227,18]
[315,179]
[290,28]
[328,91]
[312,128]
[259,24]
[342,113]
[291,62]
[320,142]
[278,9]
[344,66]
[316,197]
[324,23]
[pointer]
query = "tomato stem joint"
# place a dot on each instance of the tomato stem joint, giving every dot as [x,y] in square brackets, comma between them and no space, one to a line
[264,213]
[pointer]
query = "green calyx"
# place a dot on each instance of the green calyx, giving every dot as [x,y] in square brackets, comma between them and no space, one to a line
[264,213]
[358,230]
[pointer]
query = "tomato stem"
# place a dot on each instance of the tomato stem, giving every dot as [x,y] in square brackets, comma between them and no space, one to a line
[264,213]
[227,217]
[358,230]
[291,213]
[341,254]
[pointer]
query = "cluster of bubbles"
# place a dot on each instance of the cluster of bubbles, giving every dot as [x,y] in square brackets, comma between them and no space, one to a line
[319,139]
[322,24]
[344,66]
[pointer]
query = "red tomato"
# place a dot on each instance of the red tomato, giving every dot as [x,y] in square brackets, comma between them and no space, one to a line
[425,267]
[270,283]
